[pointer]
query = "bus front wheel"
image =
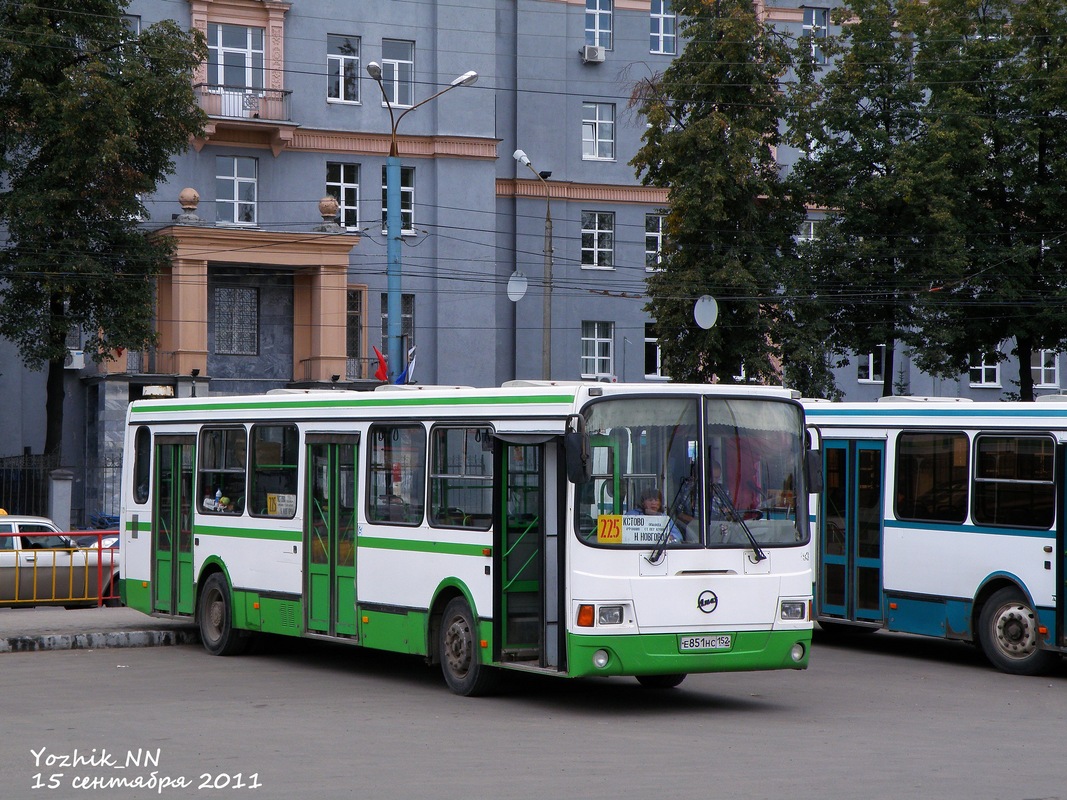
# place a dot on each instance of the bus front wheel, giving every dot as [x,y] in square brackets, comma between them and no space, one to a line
[460,652]
[215,616]
[1007,632]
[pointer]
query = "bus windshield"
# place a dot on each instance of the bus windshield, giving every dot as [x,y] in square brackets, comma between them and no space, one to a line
[668,471]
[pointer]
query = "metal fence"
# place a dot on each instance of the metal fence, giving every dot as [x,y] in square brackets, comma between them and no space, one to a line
[24,483]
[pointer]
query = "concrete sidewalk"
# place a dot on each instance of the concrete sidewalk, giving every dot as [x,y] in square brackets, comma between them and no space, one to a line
[46,628]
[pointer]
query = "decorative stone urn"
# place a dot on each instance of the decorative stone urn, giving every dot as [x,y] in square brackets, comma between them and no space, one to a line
[328,208]
[189,199]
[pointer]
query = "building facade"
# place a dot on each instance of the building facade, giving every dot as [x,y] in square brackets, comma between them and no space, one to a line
[273,287]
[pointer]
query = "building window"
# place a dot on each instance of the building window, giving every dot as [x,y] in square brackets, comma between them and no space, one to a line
[342,68]
[598,131]
[1045,369]
[407,201]
[598,350]
[662,28]
[598,239]
[653,354]
[398,71]
[985,371]
[654,242]
[235,190]
[871,367]
[806,234]
[407,320]
[816,26]
[236,320]
[354,336]
[342,183]
[235,56]
[598,23]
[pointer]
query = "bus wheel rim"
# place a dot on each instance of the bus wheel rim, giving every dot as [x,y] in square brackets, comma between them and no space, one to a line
[1016,630]
[458,646]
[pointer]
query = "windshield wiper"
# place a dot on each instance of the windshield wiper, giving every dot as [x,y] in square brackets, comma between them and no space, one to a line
[665,534]
[725,502]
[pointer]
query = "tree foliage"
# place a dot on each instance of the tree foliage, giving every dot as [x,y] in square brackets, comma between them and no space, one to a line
[713,126]
[90,118]
[996,76]
[936,139]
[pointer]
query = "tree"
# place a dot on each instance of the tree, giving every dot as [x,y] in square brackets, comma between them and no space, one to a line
[889,228]
[90,118]
[713,120]
[996,76]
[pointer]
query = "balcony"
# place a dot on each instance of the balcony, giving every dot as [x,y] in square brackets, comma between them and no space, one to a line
[238,115]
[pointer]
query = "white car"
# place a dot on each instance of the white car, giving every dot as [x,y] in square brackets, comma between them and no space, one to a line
[42,565]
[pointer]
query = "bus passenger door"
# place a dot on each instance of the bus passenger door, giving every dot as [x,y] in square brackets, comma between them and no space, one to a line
[527,553]
[330,534]
[850,531]
[173,582]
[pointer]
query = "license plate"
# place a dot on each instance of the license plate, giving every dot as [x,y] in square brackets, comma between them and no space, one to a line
[689,644]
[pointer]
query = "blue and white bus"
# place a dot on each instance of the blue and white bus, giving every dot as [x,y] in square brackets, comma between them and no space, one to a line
[945,518]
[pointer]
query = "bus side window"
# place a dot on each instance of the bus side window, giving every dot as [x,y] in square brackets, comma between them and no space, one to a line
[396,473]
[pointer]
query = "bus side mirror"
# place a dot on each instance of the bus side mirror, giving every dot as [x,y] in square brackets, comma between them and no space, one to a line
[813,471]
[577,451]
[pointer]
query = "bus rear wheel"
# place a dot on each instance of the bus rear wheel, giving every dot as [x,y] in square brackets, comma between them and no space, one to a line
[1007,632]
[661,681]
[460,652]
[215,616]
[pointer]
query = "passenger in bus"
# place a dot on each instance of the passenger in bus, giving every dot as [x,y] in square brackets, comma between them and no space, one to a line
[652,506]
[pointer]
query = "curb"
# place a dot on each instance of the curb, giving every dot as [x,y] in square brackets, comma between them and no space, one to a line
[94,641]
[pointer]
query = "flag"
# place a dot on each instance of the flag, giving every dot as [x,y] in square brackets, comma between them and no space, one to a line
[409,371]
[382,373]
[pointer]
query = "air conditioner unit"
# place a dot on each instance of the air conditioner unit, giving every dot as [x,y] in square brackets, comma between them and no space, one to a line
[592,54]
[75,359]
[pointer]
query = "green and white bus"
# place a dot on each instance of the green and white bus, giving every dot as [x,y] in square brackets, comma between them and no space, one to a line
[482,529]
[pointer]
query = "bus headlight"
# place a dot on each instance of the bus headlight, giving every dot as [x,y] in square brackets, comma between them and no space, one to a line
[609,615]
[792,610]
[797,653]
[600,659]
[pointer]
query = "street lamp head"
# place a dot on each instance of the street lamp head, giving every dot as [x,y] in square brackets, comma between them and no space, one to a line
[521,157]
[544,174]
[466,79]
[374,69]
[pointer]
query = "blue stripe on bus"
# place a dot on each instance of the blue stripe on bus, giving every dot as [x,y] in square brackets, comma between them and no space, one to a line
[967,529]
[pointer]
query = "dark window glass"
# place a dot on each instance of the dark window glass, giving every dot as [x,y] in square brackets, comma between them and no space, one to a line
[931,477]
[275,451]
[222,470]
[1013,481]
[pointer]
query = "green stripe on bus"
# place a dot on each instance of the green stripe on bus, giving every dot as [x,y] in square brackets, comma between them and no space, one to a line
[271,534]
[412,545]
[374,402]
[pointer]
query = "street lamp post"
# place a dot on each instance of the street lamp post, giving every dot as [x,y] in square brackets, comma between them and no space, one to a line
[546,334]
[393,226]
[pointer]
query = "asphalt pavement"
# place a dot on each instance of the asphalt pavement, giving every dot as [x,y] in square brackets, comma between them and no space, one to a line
[46,628]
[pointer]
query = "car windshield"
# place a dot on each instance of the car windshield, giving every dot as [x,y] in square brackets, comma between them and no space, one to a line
[668,472]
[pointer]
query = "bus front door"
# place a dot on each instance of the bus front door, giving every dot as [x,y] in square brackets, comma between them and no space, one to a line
[850,531]
[527,556]
[330,535]
[173,583]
